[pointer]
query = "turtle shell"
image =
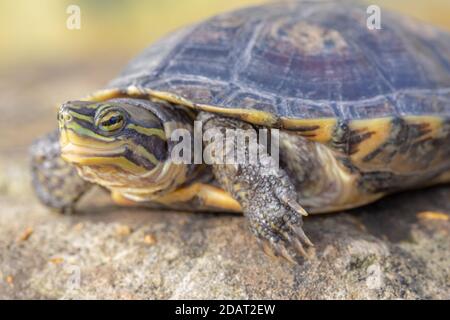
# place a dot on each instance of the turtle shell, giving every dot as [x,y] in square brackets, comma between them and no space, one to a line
[302,60]
[310,67]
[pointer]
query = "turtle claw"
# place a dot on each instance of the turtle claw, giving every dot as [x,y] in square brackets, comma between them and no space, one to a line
[299,247]
[267,248]
[285,241]
[276,249]
[285,254]
[293,204]
[297,238]
[298,208]
[301,234]
[280,234]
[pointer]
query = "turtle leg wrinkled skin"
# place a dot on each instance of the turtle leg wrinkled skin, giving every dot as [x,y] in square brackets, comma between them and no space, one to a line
[266,194]
[56,182]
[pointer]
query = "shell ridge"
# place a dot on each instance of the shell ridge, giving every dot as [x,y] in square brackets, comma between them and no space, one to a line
[329,72]
[245,57]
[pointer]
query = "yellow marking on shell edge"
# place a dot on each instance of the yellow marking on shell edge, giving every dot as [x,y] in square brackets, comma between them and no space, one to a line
[210,196]
[321,129]
[251,115]
[321,134]
[380,130]
[254,116]
[324,132]
[432,215]
[102,95]
[434,124]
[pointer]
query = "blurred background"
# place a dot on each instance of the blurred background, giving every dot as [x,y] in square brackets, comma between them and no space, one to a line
[127,255]
[42,62]
[35,31]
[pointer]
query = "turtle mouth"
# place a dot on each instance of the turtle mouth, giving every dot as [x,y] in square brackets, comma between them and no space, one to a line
[82,151]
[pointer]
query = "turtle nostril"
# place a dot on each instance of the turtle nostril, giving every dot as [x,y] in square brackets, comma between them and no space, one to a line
[67,117]
[64,115]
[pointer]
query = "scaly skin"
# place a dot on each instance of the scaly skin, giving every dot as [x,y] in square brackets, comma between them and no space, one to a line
[265,192]
[56,182]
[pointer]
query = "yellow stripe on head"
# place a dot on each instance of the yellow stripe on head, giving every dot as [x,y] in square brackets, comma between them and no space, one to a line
[129,153]
[148,131]
[118,162]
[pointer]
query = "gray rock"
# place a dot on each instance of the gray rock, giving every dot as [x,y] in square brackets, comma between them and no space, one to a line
[387,250]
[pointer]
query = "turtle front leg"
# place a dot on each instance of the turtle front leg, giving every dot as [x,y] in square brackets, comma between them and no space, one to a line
[263,189]
[56,183]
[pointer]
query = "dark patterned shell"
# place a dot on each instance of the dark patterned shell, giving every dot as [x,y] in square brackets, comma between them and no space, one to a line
[302,60]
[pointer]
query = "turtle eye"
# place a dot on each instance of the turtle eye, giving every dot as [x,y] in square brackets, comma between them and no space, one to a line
[111,121]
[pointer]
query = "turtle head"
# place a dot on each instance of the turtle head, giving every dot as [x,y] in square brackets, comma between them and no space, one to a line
[117,143]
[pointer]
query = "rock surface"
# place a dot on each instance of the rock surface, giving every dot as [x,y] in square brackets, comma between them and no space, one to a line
[398,247]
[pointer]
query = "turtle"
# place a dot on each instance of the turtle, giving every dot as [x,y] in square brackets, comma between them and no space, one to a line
[352,113]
